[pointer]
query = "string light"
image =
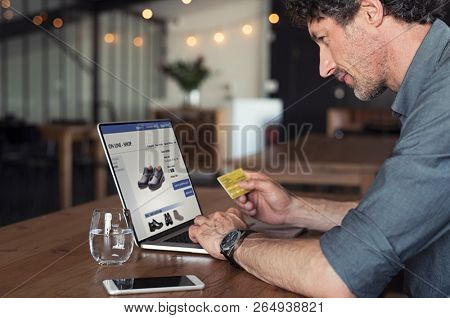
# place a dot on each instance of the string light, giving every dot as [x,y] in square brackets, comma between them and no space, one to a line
[186,1]
[219,37]
[110,38]
[191,41]
[37,20]
[274,18]
[138,41]
[247,29]
[147,14]
[58,23]
[6,4]
[8,14]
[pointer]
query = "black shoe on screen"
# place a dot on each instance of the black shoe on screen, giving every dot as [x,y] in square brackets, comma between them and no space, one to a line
[168,219]
[155,225]
[157,180]
[147,175]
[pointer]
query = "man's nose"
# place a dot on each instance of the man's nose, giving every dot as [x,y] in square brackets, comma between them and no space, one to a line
[327,64]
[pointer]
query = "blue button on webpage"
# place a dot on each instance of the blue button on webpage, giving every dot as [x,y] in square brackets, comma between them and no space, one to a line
[181,184]
[188,192]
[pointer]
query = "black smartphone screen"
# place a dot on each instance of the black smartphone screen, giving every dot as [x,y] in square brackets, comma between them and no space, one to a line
[152,282]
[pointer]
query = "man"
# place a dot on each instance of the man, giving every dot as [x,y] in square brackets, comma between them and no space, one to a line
[403,222]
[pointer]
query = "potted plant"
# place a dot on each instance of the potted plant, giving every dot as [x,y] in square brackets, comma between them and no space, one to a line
[189,76]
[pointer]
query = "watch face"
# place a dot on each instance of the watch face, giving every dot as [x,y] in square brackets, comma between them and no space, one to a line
[230,239]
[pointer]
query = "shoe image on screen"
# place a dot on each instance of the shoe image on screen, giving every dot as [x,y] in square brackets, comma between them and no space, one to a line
[147,175]
[168,219]
[155,225]
[177,215]
[151,178]
[157,180]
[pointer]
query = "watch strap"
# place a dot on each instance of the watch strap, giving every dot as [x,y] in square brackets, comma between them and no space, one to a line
[230,254]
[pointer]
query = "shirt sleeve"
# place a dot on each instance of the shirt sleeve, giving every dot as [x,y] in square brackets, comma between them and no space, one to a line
[407,207]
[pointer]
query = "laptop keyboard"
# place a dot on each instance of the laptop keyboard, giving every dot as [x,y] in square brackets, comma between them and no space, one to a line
[180,238]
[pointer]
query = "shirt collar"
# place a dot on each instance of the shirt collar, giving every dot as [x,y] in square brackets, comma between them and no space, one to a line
[421,68]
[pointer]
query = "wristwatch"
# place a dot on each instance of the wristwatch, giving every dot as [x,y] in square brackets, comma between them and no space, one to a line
[230,242]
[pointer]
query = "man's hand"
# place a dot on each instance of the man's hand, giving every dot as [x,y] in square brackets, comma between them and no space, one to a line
[209,230]
[268,201]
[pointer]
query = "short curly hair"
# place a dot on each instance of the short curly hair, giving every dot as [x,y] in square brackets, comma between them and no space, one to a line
[419,11]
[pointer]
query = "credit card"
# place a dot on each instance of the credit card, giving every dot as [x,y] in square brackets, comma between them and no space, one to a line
[230,182]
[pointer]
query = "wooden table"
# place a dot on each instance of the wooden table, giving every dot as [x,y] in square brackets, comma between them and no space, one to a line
[64,136]
[352,161]
[49,257]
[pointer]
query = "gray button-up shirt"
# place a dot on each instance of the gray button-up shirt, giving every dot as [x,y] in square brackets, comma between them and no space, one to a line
[403,222]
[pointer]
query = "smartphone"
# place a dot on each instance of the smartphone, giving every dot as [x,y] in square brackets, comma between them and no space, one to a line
[126,286]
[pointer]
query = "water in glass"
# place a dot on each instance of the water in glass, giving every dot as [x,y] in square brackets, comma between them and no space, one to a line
[110,237]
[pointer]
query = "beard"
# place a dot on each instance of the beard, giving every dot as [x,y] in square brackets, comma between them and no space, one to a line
[368,64]
[368,89]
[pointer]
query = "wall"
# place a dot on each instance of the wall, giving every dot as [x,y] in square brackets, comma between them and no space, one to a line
[240,62]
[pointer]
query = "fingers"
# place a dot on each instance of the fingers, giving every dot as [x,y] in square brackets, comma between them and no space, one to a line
[259,185]
[199,220]
[235,212]
[240,203]
[193,232]
[242,199]
[245,207]
[249,206]
[256,175]
[251,212]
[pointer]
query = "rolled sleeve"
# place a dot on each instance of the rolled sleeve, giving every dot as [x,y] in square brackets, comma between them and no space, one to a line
[360,254]
[405,211]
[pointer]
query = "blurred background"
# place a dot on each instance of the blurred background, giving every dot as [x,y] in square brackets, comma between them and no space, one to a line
[66,65]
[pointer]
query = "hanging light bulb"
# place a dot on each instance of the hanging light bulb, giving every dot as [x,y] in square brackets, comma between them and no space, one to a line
[147,14]
[191,41]
[219,37]
[58,23]
[6,4]
[138,41]
[37,20]
[110,38]
[186,1]
[274,18]
[247,29]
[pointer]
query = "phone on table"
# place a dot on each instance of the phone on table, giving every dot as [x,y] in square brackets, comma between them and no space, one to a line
[126,286]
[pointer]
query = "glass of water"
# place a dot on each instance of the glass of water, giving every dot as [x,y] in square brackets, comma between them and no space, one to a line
[110,237]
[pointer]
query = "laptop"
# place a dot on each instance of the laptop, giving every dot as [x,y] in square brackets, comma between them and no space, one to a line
[153,182]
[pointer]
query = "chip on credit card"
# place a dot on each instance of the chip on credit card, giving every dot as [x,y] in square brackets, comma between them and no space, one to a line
[230,182]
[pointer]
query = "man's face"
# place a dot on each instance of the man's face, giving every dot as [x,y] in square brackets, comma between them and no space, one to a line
[353,54]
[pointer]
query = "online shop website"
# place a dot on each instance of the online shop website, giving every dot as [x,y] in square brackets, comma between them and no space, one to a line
[152,176]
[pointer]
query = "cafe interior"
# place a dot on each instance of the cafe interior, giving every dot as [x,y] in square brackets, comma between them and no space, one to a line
[67,65]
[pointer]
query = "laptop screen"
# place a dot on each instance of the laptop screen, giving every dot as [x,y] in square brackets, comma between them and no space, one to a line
[150,175]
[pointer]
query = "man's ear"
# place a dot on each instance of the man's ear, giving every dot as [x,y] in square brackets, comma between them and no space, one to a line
[372,11]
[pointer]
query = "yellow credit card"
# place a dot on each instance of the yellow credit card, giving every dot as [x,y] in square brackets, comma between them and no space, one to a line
[230,182]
